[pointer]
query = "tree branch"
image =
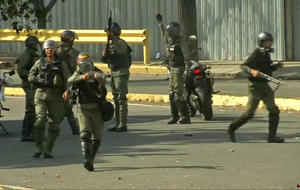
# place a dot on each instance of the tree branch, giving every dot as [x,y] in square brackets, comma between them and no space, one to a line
[50,5]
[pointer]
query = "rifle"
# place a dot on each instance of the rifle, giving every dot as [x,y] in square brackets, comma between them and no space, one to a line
[272,79]
[108,29]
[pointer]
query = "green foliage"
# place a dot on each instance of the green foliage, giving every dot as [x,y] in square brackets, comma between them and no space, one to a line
[28,10]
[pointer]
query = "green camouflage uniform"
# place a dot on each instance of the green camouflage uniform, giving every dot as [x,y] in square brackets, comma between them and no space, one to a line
[25,62]
[69,55]
[89,114]
[259,89]
[119,65]
[176,80]
[48,103]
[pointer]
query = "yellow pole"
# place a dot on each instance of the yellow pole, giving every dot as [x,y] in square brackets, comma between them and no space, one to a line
[147,47]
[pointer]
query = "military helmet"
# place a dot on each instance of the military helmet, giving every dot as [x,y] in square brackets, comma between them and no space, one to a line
[85,63]
[68,36]
[264,36]
[115,29]
[173,29]
[32,42]
[50,44]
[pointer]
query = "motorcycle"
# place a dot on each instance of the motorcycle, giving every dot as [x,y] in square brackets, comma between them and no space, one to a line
[199,90]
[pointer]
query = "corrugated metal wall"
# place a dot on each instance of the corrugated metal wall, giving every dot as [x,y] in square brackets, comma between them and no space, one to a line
[227,29]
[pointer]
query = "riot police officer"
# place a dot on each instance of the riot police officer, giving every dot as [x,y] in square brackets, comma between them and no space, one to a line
[91,85]
[67,53]
[259,89]
[173,42]
[118,57]
[49,76]
[25,62]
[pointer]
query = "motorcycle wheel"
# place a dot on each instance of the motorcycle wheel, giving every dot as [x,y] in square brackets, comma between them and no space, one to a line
[206,107]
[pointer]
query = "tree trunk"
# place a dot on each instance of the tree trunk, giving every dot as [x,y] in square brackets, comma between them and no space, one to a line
[42,20]
[187,15]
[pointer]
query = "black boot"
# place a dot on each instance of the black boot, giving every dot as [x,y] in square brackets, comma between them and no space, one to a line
[273,126]
[27,129]
[87,155]
[122,127]
[95,146]
[184,111]
[231,133]
[174,110]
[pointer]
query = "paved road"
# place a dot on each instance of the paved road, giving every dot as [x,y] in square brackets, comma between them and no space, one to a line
[153,155]
[158,85]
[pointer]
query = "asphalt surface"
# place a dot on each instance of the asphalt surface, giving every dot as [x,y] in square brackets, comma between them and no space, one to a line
[153,155]
[157,84]
[150,84]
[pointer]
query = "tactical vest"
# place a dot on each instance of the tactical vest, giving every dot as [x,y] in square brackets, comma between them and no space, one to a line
[47,73]
[87,92]
[121,61]
[176,58]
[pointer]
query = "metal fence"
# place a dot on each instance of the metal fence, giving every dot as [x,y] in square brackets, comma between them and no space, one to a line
[227,29]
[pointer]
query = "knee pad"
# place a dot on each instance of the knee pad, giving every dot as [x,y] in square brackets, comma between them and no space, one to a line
[171,95]
[274,112]
[122,100]
[85,136]
[40,122]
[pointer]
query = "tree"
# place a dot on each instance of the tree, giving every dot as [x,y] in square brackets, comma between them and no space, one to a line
[187,15]
[36,11]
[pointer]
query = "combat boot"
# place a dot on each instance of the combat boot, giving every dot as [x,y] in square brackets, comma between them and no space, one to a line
[48,146]
[95,146]
[273,126]
[275,140]
[231,133]
[122,127]
[27,130]
[38,139]
[184,111]
[185,120]
[174,110]
[87,155]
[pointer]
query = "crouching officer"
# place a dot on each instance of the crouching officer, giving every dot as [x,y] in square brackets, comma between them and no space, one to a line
[68,54]
[48,75]
[259,89]
[118,57]
[25,63]
[91,85]
[177,66]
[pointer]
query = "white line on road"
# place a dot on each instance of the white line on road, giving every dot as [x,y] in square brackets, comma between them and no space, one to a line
[15,187]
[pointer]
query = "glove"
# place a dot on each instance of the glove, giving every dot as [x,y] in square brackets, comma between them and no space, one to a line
[159,17]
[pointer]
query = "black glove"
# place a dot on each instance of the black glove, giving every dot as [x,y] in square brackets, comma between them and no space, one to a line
[159,17]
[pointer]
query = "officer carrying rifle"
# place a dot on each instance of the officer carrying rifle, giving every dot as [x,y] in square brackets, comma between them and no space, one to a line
[259,66]
[88,89]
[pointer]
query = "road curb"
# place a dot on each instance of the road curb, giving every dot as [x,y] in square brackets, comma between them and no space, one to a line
[138,69]
[285,104]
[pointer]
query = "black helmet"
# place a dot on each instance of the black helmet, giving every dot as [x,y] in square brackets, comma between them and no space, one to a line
[115,29]
[173,29]
[32,42]
[264,36]
[68,36]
